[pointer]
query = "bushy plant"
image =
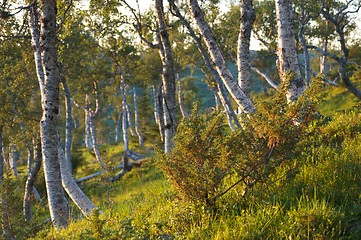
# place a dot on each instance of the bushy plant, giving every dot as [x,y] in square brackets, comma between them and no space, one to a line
[206,152]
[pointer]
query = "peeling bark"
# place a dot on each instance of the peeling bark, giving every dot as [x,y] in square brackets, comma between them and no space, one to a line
[287,51]
[49,122]
[168,78]
[248,16]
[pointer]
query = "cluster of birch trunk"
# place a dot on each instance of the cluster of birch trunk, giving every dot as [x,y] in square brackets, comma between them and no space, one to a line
[167,96]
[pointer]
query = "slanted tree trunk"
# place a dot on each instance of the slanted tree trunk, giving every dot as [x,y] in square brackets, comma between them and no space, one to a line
[168,78]
[13,160]
[88,138]
[29,185]
[49,122]
[220,94]
[248,16]
[265,77]
[287,62]
[157,94]
[242,100]
[180,99]
[136,118]
[71,187]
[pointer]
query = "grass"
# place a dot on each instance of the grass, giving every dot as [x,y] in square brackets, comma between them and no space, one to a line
[317,195]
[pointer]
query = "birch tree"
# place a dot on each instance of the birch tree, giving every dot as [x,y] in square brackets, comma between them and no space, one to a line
[248,16]
[242,100]
[136,118]
[49,122]
[287,51]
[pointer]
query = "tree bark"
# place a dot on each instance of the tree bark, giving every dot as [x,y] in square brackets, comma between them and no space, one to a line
[303,21]
[242,100]
[180,99]
[29,185]
[265,77]
[248,16]
[168,78]
[71,187]
[287,51]
[88,138]
[125,113]
[130,122]
[49,122]
[136,118]
[118,127]
[13,160]
[157,94]
[68,123]
[94,139]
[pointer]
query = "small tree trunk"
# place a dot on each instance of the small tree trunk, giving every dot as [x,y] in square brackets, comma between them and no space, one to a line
[94,140]
[216,99]
[180,99]
[287,50]
[88,138]
[136,118]
[157,94]
[130,121]
[265,77]
[13,160]
[125,113]
[68,123]
[29,185]
[242,100]
[118,127]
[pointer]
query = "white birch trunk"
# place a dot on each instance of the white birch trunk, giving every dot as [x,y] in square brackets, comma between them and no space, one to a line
[158,110]
[68,123]
[168,78]
[71,187]
[95,140]
[180,99]
[88,139]
[35,42]
[13,160]
[118,127]
[130,121]
[248,16]
[242,100]
[136,118]
[49,122]
[265,77]
[125,113]
[216,99]
[323,59]
[29,185]
[287,51]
